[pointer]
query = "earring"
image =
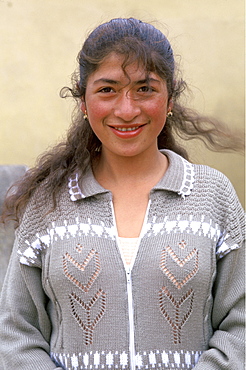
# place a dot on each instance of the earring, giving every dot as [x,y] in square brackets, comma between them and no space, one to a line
[85,115]
[98,149]
[170,114]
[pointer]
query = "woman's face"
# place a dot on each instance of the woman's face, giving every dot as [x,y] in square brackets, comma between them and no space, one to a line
[126,112]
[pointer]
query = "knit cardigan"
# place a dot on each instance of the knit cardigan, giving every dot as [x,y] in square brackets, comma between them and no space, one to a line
[70,302]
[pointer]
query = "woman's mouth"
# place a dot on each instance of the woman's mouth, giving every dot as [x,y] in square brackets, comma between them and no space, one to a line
[127,132]
[123,129]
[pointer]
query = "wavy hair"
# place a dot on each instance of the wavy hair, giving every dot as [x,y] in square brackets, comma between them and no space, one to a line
[139,42]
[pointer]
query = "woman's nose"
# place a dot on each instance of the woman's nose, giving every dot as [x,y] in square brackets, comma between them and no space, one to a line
[127,108]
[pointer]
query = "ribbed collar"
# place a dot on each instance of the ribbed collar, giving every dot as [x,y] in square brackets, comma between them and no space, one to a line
[178,178]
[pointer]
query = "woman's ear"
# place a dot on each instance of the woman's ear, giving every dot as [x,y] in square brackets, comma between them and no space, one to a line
[170,105]
[83,106]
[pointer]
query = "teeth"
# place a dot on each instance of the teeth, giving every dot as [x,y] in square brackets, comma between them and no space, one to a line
[126,128]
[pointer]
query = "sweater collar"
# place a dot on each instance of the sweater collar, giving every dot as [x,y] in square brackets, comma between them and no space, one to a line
[179,178]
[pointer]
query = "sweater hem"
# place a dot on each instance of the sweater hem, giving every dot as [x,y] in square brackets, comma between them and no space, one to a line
[154,359]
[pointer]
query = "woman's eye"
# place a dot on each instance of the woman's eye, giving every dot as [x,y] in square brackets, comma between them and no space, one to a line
[106,90]
[145,89]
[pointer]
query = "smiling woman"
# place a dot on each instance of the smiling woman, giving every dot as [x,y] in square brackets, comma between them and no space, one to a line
[127,256]
[126,107]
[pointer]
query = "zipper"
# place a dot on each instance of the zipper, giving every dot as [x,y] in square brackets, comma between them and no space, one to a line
[131,319]
[128,270]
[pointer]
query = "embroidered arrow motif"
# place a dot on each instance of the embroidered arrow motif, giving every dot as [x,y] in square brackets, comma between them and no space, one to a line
[181,263]
[92,255]
[177,320]
[89,324]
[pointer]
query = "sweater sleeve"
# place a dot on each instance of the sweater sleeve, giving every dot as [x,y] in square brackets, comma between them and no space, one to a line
[24,323]
[226,346]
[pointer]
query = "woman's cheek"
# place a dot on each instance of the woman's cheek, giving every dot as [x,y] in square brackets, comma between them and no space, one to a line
[158,109]
[98,111]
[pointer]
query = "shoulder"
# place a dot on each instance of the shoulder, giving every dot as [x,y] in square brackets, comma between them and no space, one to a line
[41,209]
[196,179]
[33,234]
[215,192]
[210,179]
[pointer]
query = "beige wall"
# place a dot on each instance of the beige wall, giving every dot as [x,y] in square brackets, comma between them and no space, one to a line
[39,41]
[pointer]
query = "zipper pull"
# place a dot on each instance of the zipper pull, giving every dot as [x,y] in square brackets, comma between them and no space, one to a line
[128,275]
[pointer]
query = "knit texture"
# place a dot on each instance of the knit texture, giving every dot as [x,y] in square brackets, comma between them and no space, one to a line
[128,248]
[64,303]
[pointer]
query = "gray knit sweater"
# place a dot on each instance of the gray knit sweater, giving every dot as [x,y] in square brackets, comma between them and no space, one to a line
[70,302]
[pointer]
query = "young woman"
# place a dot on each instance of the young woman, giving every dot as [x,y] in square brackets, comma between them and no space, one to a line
[127,256]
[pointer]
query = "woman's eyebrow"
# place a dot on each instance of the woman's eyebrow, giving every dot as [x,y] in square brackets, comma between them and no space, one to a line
[107,80]
[116,82]
[146,80]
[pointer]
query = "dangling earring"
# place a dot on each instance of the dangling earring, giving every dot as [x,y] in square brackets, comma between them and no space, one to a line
[98,149]
[85,115]
[170,114]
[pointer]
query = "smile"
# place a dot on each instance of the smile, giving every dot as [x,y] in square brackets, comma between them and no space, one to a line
[126,128]
[127,132]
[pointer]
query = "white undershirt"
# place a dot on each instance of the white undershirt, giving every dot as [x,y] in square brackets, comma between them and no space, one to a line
[128,248]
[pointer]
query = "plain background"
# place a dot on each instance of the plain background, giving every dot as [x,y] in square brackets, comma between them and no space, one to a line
[39,43]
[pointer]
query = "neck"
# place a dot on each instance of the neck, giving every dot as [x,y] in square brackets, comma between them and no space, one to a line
[112,169]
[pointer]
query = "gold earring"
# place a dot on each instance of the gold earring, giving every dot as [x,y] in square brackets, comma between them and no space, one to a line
[98,149]
[170,114]
[85,115]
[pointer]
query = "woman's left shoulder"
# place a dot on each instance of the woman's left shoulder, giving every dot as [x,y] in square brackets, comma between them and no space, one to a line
[216,187]
[211,176]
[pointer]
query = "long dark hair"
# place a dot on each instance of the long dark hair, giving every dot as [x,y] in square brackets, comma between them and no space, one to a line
[139,42]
